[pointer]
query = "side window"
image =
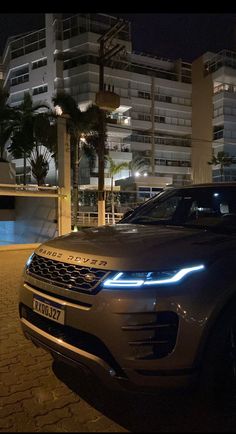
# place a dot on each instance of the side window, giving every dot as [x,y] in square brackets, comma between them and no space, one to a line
[166,209]
[224,208]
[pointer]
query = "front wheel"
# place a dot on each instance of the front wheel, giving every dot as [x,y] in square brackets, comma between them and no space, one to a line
[218,374]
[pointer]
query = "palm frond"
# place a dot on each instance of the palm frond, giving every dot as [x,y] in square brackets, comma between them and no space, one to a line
[115,168]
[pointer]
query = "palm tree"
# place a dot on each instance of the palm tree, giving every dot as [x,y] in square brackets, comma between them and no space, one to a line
[40,166]
[84,135]
[223,159]
[7,118]
[136,164]
[114,169]
[45,146]
[23,138]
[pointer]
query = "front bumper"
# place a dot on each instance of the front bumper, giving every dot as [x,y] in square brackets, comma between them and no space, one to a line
[118,335]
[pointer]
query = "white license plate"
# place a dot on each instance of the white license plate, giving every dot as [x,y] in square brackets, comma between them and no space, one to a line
[49,309]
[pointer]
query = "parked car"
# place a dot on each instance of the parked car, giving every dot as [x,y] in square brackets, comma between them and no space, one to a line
[145,303]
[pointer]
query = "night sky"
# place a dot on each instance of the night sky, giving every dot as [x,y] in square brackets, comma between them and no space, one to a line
[171,35]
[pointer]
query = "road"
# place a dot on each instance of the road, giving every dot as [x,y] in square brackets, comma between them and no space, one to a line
[38,395]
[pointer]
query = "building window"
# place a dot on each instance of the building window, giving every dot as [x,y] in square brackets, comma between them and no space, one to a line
[160,119]
[28,43]
[176,163]
[144,117]
[163,98]
[145,95]
[38,63]
[40,89]
[218,132]
[18,80]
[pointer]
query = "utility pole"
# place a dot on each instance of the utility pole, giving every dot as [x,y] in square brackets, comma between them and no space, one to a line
[107,101]
[153,125]
[64,181]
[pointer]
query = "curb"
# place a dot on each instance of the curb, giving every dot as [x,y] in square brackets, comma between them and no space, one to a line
[19,247]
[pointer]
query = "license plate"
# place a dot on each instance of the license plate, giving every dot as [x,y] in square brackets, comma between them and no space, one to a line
[49,309]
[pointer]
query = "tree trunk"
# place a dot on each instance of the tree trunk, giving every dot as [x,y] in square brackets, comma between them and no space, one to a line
[221,173]
[40,181]
[101,166]
[76,184]
[112,202]
[24,170]
[1,152]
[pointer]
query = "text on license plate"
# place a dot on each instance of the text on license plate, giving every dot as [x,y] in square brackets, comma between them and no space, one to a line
[49,309]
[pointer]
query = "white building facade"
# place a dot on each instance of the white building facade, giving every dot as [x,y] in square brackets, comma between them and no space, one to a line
[222,68]
[213,115]
[154,120]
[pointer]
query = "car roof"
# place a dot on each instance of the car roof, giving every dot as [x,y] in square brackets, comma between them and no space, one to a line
[213,185]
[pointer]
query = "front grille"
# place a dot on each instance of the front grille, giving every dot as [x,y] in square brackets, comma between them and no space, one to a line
[160,335]
[78,338]
[69,276]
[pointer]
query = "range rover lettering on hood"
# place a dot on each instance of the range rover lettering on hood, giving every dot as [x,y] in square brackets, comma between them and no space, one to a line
[77,259]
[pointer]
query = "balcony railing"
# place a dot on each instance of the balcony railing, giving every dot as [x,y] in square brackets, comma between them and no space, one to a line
[27,44]
[91,218]
[96,23]
[218,135]
[169,141]
[176,163]
[119,120]
[223,58]
[121,147]
[224,87]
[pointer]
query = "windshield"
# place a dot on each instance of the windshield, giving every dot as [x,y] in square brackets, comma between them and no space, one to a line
[200,207]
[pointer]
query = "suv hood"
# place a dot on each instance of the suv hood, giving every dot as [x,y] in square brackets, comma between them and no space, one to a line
[136,247]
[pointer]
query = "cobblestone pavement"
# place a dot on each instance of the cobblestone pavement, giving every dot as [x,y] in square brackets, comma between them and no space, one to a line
[40,396]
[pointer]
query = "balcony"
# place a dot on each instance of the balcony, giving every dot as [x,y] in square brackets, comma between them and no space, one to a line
[218,134]
[224,87]
[172,167]
[166,141]
[118,147]
[92,22]
[175,163]
[223,58]
[119,120]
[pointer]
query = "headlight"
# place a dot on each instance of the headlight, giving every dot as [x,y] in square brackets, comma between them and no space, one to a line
[29,261]
[136,279]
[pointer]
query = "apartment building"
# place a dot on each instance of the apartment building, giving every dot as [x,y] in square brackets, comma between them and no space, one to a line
[213,114]
[154,119]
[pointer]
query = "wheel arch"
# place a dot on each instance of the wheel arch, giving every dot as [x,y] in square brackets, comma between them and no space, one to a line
[218,316]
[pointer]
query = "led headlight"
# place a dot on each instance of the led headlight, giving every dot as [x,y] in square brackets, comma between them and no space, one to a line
[136,279]
[29,261]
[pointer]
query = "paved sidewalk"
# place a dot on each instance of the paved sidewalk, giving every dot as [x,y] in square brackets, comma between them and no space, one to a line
[37,395]
[32,397]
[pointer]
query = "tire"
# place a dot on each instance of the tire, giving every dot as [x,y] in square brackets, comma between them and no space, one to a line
[218,373]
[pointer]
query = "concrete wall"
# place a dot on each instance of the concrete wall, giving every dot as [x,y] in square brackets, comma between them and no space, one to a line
[35,219]
[7,232]
[7,176]
[7,173]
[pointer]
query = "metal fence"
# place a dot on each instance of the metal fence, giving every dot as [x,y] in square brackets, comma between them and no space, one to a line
[91,218]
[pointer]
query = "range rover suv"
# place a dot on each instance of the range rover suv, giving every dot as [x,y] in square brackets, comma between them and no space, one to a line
[147,302]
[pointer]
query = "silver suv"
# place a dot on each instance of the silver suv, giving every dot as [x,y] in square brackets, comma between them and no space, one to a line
[148,302]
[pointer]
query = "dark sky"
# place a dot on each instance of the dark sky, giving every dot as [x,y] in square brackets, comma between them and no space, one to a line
[171,35]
